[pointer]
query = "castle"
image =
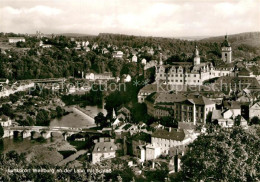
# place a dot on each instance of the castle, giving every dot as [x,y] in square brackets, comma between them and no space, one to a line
[194,73]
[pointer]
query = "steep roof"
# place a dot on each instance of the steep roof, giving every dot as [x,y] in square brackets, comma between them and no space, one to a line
[200,100]
[225,43]
[168,98]
[104,147]
[173,135]
[149,88]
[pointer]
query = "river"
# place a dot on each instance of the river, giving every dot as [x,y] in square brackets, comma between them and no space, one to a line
[75,119]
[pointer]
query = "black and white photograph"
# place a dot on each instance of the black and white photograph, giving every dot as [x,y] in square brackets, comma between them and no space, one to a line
[129,90]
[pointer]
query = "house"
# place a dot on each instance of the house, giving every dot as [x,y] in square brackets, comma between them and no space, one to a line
[143,61]
[127,78]
[99,76]
[118,54]
[145,91]
[245,72]
[5,121]
[231,109]
[124,114]
[134,59]
[192,108]
[105,51]
[226,123]
[104,149]
[4,81]
[95,46]
[166,139]
[141,152]
[254,110]
[16,39]
[152,152]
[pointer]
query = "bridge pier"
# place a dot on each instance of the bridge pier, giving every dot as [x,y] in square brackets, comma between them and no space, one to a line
[8,133]
[26,134]
[46,134]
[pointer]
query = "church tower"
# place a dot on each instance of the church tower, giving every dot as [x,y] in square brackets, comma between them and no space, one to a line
[226,51]
[196,59]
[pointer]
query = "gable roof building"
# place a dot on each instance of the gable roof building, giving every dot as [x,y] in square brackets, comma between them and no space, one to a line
[104,149]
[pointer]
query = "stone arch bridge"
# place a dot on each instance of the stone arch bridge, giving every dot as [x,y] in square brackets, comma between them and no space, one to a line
[44,131]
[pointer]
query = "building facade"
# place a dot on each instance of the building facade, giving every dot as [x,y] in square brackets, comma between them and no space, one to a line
[187,73]
[104,149]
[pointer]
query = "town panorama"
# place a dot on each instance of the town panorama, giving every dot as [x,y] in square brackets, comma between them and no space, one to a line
[123,107]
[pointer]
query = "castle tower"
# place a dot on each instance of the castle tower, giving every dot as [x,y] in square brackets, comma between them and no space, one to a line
[196,59]
[226,51]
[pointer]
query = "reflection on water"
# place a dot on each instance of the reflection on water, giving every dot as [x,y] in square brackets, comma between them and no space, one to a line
[77,119]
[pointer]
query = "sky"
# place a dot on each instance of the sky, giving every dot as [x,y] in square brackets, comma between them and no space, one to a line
[163,18]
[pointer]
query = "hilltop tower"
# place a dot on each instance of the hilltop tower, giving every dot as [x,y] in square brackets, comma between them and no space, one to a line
[226,51]
[196,59]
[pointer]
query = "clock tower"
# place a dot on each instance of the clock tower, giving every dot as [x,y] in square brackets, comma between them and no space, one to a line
[226,51]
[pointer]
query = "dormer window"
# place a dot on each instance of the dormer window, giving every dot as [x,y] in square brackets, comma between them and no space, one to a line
[105,149]
[98,149]
[111,148]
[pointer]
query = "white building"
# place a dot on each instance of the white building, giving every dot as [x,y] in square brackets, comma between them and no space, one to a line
[152,152]
[104,149]
[254,110]
[5,121]
[186,73]
[143,61]
[172,138]
[134,59]
[16,39]
[118,54]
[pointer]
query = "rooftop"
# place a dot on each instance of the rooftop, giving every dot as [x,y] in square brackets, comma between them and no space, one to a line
[177,135]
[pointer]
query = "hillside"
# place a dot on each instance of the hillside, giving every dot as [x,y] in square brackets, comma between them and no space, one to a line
[248,38]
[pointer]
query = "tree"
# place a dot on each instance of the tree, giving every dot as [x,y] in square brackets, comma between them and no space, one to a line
[1,131]
[209,117]
[223,156]
[100,119]
[255,120]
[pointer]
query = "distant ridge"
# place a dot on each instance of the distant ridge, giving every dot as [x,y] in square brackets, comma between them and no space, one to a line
[248,38]
[76,35]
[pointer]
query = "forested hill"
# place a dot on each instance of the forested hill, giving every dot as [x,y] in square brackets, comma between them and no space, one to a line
[248,38]
[244,45]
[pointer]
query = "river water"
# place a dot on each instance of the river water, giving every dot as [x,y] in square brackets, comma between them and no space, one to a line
[75,119]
